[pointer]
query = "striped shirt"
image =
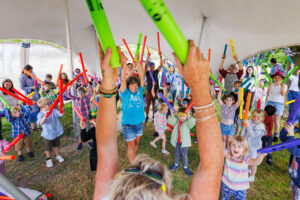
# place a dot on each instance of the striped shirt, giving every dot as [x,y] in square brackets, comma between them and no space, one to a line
[235,174]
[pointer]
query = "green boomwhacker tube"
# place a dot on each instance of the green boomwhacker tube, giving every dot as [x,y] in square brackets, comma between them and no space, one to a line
[163,19]
[137,51]
[103,30]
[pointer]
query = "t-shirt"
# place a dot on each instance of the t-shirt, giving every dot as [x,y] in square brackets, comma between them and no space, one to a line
[269,125]
[149,80]
[132,107]
[230,78]
[228,112]
[294,83]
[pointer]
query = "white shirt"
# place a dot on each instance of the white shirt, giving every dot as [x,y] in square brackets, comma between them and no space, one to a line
[275,94]
[294,83]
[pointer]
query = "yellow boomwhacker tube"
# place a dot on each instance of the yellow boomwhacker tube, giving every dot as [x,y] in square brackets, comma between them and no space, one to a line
[30,95]
[241,103]
[289,102]
[232,47]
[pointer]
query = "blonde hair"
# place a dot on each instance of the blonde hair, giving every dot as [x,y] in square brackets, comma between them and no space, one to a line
[15,108]
[139,186]
[82,89]
[242,140]
[161,107]
[42,101]
[261,113]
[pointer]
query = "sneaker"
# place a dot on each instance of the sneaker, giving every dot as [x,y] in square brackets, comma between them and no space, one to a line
[79,147]
[49,163]
[173,167]
[146,120]
[276,136]
[30,155]
[21,158]
[187,171]
[165,152]
[270,162]
[60,158]
[91,145]
[251,178]
[153,144]
[196,141]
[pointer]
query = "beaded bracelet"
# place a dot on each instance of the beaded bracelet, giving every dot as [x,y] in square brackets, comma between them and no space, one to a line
[102,91]
[107,95]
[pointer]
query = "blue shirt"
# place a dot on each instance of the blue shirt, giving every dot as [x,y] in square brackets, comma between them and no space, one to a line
[52,127]
[132,107]
[26,83]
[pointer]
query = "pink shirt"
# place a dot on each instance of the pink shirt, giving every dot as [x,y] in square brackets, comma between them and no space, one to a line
[3,144]
[160,122]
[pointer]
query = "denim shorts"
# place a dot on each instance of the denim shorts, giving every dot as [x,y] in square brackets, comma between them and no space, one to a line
[33,117]
[227,129]
[132,131]
[279,107]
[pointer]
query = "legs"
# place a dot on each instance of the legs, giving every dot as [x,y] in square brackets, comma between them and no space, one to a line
[184,153]
[277,123]
[132,148]
[266,142]
[177,153]
[48,154]
[163,137]
[253,169]
[226,139]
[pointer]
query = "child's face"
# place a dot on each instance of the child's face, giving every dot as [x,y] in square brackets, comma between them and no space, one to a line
[16,112]
[229,101]
[256,118]
[182,116]
[236,85]
[63,76]
[47,106]
[165,110]
[185,104]
[48,79]
[81,93]
[133,87]
[236,149]
[232,69]
[277,78]
[261,84]
[46,87]
[250,70]
[7,85]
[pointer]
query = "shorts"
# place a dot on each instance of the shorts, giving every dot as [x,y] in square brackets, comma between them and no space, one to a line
[149,98]
[279,107]
[26,140]
[51,143]
[295,191]
[132,131]
[227,193]
[227,129]
[33,117]
[253,152]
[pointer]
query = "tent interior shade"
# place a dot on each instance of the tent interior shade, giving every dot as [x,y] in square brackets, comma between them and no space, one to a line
[254,26]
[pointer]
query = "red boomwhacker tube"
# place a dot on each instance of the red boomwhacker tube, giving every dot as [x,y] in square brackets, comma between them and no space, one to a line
[158,42]
[34,77]
[209,54]
[144,44]
[61,105]
[53,106]
[96,103]
[83,69]
[23,96]
[13,95]
[125,43]
[72,81]
[13,143]
[7,157]
[59,72]
[79,114]
[6,198]
[124,54]
[258,104]
[189,107]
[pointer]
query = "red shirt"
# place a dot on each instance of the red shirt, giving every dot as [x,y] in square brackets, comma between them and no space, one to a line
[223,72]
[179,136]
[269,125]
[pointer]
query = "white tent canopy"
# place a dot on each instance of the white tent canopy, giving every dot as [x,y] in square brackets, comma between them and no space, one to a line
[254,25]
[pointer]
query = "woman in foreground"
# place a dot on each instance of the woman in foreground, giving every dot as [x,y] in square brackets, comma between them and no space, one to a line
[147,178]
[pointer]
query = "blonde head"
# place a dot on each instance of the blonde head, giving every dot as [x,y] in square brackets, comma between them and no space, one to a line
[42,101]
[161,107]
[242,141]
[129,185]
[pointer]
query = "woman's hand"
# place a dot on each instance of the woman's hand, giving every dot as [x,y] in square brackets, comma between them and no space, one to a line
[196,69]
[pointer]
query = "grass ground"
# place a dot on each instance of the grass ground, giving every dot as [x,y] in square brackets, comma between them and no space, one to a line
[72,180]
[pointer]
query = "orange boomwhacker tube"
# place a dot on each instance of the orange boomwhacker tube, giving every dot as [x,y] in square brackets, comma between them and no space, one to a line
[12,143]
[59,72]
[7,157]
[209,54]
[34,77]
[189,107]
[247,107]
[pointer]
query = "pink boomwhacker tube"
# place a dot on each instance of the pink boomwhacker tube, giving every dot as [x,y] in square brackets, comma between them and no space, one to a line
[83,69]
[125,43]
[158,42]
[13,143]
[144,44]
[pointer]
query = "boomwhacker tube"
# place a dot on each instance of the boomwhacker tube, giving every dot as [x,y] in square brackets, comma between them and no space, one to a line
[5,102]
[258,104]
[294,111]
[288,76]
[280,146]
[83,69]
[259,58]
[163,19]
[103,30]
[247,108]
[23,96]
[28,96]
[79,114]
[53,106]
[143,49]
[137,51]
[59,72]
[289,102]
[246,81]
[267,74]
[209,54]
[290,59]
[166,101]
[225,50]
[13,95]
[127,47]
[61,105]
[217,82]
[232,47]
[153,80]
[241,103]
[158,42]
[7,157]
[189,107]
[12,143]
[34,77]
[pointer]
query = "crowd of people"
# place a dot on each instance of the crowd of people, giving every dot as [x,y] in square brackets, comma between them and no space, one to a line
[180,100]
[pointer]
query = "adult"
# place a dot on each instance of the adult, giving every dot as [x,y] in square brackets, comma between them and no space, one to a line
[232,75]
[172,79]
[132,108]
[294,89]
[249,86]
[147,178]
[8,85]
[65,80]
[149,81]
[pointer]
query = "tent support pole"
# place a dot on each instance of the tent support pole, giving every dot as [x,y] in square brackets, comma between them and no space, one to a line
[202,29]
[70,58]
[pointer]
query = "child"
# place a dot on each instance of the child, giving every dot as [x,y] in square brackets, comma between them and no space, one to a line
[65,80]
[253,132]
[294,161]
[3,145]
[82,102]
[160,122]
[90,134]
[260,94]
[17,117]
[228,108]
[47,92]
[52,130]
[235,180]
[267,139]
[34,111]
[49,80]
[157,101]
[181,139]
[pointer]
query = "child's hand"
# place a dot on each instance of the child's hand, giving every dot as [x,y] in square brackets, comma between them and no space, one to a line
[246,121]
[260,158]
[223,57]
[290,128]
[82,124]
[172,112]
[148,54]
[235,58]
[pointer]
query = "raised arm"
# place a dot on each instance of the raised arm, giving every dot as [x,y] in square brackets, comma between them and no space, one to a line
[220,97]
[123,77]
[106,133]
[222,62]
[284,89]
[147,61]
[141,73]
[237,103]
[207,178]
[238,62]
[161,62]
[269,88]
